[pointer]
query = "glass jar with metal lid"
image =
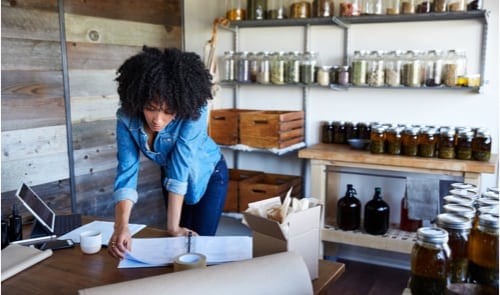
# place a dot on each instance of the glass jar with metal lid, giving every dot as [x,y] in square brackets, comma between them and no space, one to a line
[253,66]
[424,6]
[308,67]
[323,8]
[412,69]
[300,8]
[371,7]
[458,228]
[456,5]
[393,140]
[343,75]
[375,75]
[351,130]
[264,68]
[364,130]
[429,259]
[276,9]
[493,210]
[433,68]
[278,62]
[439,5]
[483,251]
[242,67]
[490,195]
[392,7]
[236,10]
[377,139]
[327,132]
[229,66]
[409,141]
[292,73]
[446,143]
[408,6]
[427,141]
[350,7]
[481,145]
[256,9]
[338,132]
[323,75]
[359,65]
[462,210]
[393,68]
[463,149]
[464,186]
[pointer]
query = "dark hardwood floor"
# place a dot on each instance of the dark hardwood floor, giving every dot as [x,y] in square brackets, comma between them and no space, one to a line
[369,279]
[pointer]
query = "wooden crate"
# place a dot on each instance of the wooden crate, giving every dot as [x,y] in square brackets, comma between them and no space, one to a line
[271,129]
[223,125]
[236,177]
[267,186]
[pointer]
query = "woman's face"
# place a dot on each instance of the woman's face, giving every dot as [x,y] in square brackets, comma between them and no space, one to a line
[157,116]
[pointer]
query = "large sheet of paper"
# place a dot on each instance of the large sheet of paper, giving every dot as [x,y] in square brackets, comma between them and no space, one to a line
[16,258]
[152,252]
[105,227]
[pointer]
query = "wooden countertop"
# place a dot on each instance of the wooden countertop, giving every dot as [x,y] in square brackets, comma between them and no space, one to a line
[345,154]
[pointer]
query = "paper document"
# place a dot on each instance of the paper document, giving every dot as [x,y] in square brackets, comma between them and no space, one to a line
[162,251]
[105,227]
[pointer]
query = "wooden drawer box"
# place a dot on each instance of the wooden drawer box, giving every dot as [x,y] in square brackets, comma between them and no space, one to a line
[223,125]
[236,177]
[271,129]
[267,186]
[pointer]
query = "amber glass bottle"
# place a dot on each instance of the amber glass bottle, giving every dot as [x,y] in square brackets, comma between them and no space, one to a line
[349,210]
[483,251]
[429,258]
[376,220]
[406,223]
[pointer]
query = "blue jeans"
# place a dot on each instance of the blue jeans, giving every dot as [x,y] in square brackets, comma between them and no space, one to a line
[204,216]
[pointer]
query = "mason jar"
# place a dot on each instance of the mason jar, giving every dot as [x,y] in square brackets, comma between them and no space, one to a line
[429,259]
[323,8]
[412,69]
[424,6]
[229,66]
[323,75]
[364,130]
[433,65]
[463,148]
[308,67]
[481,145]
[409,141]
[446,144]
[292,73]
[393,68]
[427,142]
[393,140]
[236,10]
[264,68]
[343,75]
[278,66]
[253,66]
[327,132]
[300,8]
[338,132]
[256,9]
[350,7]
[392,7]
[377,139]
[456,5]
[276,9]
[375,73]
[407,6]
[359,67]
[242,67]
[371,7]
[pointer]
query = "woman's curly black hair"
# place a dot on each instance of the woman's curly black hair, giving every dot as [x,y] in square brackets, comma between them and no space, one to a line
[177,78]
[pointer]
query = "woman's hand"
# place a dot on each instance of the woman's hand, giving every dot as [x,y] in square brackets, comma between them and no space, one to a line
[119,243]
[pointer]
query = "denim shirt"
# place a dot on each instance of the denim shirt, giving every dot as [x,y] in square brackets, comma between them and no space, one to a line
[183,149]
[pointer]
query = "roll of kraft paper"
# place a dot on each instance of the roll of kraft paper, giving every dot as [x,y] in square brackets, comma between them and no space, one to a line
[189,261]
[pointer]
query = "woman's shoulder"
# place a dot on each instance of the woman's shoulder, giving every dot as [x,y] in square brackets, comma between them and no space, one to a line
[126,119]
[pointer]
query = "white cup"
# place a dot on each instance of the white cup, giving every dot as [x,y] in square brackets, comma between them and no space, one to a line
[90,241]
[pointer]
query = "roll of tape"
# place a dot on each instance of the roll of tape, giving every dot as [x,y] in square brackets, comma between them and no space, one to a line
[189,261]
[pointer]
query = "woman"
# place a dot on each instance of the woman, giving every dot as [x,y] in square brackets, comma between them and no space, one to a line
[163,114]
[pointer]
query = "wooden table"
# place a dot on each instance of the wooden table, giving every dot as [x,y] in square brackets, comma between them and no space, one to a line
[69,270]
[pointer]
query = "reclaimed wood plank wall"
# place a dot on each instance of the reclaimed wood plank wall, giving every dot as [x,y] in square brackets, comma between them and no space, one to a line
[100,35]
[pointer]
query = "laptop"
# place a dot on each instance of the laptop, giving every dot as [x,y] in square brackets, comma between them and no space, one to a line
[47,222]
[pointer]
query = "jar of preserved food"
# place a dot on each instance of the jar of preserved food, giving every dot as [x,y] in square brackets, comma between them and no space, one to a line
[407,6]
[264,68]
[493,210]
[256,9]
[276,9]
[323,8]
[349,210]
[393,68]
[456,5]
[242,67]
[253,66]
[429,259]
[458,228]
[462,79]
[427,140]
[323,75]
[393,140]
[292,74]
[455,64]
[433,67]
[300,9]
[377,139]
[351,130]
[338,132]
[364,130]
[406,223]
[392,7]
[375,74]
[481,145]
[343,75]
[446,143]
[439,5]
[424,6]
[371,7]
[483,251]
[350,7]
[308,67]
[229,66]
[359,67]
[235,10]
[376,221]
[412,69]
[409,141]
[278,62]
[463,149]
[327,132]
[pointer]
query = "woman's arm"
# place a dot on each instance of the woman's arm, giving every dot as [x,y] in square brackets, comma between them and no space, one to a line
[174,216]
[121,240]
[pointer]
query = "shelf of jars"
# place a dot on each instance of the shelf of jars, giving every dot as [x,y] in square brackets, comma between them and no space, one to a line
[363,19]
[394,240]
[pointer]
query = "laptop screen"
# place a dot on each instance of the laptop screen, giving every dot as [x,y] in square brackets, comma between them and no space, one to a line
[36,206]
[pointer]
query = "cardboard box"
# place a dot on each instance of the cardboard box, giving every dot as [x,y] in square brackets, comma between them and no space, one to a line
[302,235]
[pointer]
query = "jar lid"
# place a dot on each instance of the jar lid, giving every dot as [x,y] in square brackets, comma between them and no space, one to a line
[488,221]
[490,195]
[433,235]
[461,185]
[493,210]
[453,221]
[453,199]
[495,189]
[463,210]
[482,132]
[412,130]
[464,193]
[326,68]
[487,202]
[447,131]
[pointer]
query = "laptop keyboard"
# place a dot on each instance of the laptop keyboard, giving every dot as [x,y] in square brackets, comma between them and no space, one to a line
[67,223]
